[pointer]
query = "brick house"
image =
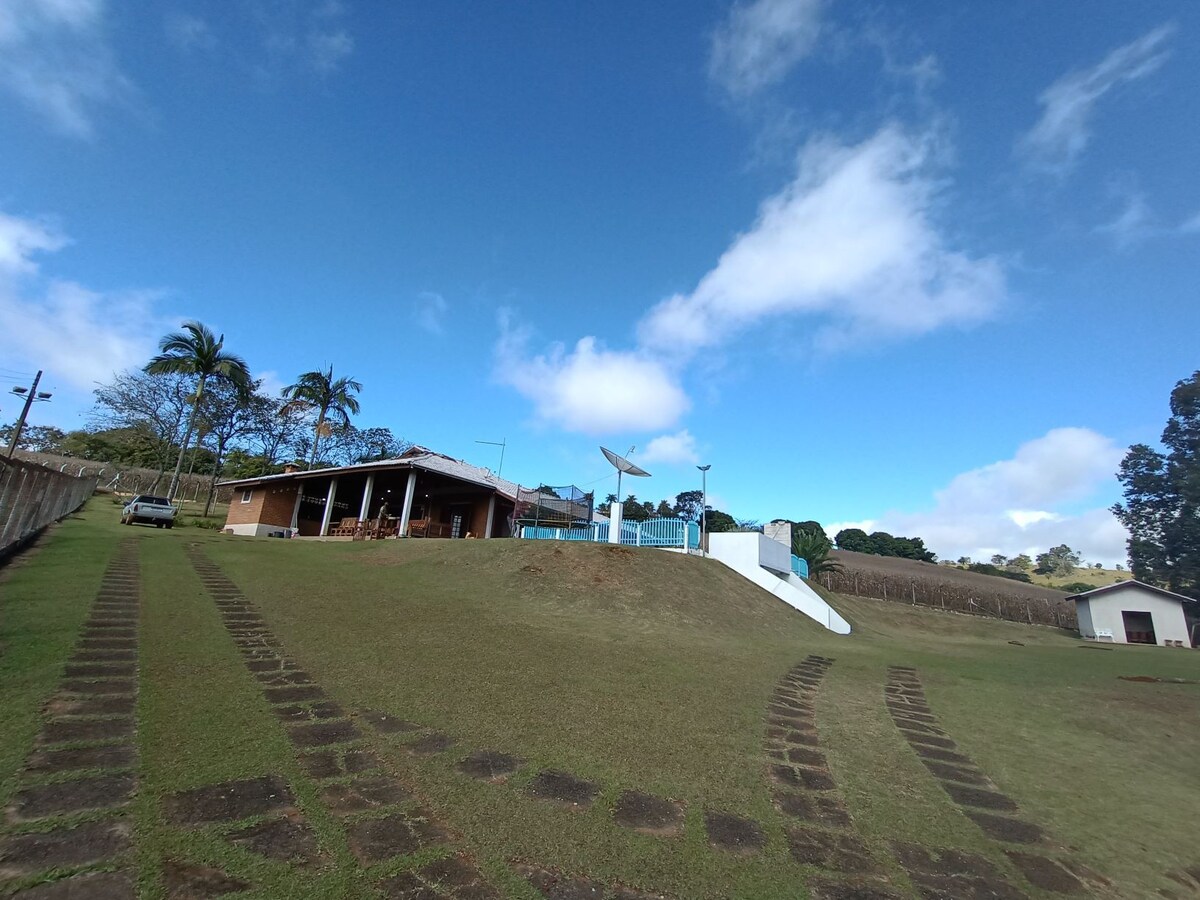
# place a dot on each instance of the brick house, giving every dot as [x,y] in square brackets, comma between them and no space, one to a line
[426,494]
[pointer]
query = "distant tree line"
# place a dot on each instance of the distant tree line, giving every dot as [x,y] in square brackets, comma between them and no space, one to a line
[880,543]
[687,505]
[195,406]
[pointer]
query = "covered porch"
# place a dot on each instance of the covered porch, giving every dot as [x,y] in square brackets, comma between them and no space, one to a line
[389,503]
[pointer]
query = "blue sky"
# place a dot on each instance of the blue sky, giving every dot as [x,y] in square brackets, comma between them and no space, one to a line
[923,266]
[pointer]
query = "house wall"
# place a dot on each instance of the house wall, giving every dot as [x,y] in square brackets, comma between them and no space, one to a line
[1083,612]
[270,509]
[1105,610]
[749,548]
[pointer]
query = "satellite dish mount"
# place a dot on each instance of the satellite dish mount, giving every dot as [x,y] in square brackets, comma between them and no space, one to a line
[623,466]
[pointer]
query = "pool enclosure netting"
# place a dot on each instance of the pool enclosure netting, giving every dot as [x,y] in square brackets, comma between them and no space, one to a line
[554,507]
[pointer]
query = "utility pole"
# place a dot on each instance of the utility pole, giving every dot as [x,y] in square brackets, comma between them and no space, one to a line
[703,506]
[31,394]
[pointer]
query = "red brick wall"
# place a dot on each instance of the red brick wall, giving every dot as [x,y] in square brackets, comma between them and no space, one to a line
[269,505]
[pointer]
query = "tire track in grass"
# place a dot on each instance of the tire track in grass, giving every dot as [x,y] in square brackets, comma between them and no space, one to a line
[1027,845]
[804,790]
[68,824]
[386,826]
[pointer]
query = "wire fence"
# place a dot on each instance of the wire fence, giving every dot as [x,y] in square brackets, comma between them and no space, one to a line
[947,595]
[33,496]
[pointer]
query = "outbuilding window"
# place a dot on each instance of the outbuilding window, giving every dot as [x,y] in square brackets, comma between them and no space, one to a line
[246,495]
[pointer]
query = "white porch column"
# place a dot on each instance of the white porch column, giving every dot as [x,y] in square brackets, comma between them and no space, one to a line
[329,498]
[487,529]
[410,490]
[296,508]
[366,501]
[614,523]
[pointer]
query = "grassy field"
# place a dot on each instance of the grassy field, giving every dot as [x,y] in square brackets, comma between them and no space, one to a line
[1097,577]
[634,669]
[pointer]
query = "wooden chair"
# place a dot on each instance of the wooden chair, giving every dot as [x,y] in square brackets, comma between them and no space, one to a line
[348,527]
[418,528]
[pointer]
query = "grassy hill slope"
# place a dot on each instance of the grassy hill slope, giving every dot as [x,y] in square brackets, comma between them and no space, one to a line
[637,669]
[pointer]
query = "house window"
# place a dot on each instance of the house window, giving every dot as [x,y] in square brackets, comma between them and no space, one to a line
[246,495]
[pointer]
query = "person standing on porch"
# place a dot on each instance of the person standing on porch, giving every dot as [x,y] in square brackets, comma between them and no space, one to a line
[383,515]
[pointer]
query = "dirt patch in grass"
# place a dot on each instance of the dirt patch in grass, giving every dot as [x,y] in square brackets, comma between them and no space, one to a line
[297,694]
[852,889]
[1151,679]
[62,732]
[733,833]
[1006,829]
[374,840]
[1043,872]
[63,798]
[121,686]
[490,765]
[430,744]
[28,854]
[451,878]
[325,709]
[320,734]
[649,814]
[112,756]
[334,764]
[229,801]
[825,810]
[188,881]
[558,886]
[92,886]
[364,794]
[286,839]
[564,788]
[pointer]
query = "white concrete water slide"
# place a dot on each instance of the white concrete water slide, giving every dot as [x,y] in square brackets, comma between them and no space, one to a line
[768,563]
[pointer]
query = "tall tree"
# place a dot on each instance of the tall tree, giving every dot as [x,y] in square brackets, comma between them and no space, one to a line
[276,427]
[688,503]
[1162,498]
[148,412]
[227,414]
[197,351]
[330,398]
[1060,560]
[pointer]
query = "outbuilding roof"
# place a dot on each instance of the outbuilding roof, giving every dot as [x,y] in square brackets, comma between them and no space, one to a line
[413,458]
[1121,585]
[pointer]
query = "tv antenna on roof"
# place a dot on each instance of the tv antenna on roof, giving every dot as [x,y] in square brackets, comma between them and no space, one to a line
[623,466]
[502,444]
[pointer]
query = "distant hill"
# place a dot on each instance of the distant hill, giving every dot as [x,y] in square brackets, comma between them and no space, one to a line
[950,588]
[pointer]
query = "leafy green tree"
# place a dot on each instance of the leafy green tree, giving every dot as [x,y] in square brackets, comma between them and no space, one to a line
[813,546]
[854,539]
[633,510]
[1162,498]
[1060,560]
[688,503]
[227,414]
[664,510]
[716,521]
[1077,587]
[1020,563]
[999,560]
[144,415]
[330,398]
[198,352]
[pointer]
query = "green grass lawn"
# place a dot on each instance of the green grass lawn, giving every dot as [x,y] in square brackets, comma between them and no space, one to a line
[635,668]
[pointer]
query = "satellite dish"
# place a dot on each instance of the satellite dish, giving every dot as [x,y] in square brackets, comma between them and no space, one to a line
[624,465]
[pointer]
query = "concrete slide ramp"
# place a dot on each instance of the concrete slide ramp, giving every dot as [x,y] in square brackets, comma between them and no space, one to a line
[768,564]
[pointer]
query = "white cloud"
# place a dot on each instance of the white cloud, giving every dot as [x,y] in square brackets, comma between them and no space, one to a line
[1055,143]
[55,59]
[304,33]
[1017,505]
[761,41]
[326,49]
[851,239]
[1133,223]
[431,310]
[188,32]
[588,388]
[75,334]
[269,382]
[672,449]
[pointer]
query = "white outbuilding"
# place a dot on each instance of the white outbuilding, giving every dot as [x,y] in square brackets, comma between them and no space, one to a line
[1130,612]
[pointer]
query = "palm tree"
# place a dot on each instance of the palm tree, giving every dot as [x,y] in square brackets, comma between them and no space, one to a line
[329,397]
[197,351]
[814,547]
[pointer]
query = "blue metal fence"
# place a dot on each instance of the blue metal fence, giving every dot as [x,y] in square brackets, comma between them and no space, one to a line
[662,532]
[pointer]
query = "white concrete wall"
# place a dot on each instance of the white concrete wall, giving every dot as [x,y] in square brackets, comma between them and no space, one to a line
[1105,610]
[768,564]
[1083,612]
[780,532]
[254,529]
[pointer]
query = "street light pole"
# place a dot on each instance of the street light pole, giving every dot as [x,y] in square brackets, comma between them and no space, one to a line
[703,506]
[29,398]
